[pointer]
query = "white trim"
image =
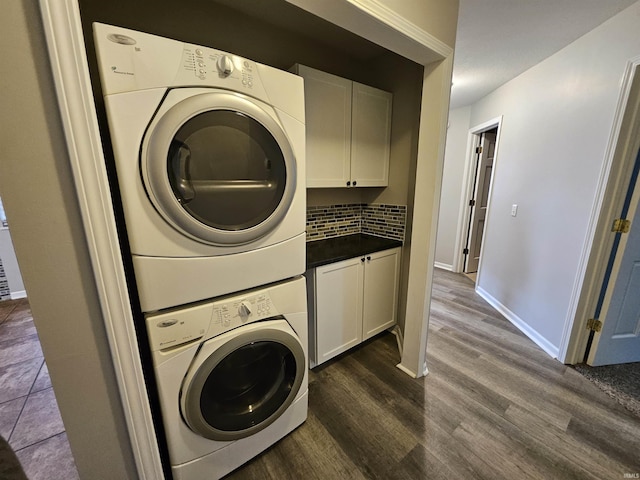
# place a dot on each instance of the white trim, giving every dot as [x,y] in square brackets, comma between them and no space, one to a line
[597,246]
[387,16]
[399,337]
[63,29]
[520,324]
[381,25]
[423,234]
[411,373]
[443,266]
[19,294]
[406,370]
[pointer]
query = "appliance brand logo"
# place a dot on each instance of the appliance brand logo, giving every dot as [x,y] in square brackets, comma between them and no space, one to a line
[114,69]
[167,323]
[121,39]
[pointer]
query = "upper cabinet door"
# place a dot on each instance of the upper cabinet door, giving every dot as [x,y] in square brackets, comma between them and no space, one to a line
[348,131]
[328,125]
[370,136]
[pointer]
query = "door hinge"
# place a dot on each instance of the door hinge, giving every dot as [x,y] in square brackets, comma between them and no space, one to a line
[479,149]
[472,203]
[594,325]
[465,251]
[621,225]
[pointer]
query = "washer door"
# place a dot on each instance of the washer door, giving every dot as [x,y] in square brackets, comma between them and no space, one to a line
[219,168]
[244,385]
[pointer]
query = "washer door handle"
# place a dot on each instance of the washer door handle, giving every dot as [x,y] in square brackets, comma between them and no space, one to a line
[180,154]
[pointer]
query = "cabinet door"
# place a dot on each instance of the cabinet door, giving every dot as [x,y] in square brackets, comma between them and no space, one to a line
[380,301]
[338,307]
[328,125]
[370,136]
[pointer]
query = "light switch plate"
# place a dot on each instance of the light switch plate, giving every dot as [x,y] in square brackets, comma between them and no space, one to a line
[514,210]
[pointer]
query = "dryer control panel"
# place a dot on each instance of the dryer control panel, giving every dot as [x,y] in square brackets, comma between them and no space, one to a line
[206,320]
[129,61]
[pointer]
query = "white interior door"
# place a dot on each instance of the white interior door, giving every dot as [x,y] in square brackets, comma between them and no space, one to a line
[619,339]
[480,200]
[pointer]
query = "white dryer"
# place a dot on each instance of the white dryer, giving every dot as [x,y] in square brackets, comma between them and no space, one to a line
[232,376]
[209,150]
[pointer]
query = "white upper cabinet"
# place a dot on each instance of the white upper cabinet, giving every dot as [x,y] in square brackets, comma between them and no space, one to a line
[348,131]
[370,136]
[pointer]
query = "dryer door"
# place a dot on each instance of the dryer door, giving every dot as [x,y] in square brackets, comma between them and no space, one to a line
[219,168]
[245,383]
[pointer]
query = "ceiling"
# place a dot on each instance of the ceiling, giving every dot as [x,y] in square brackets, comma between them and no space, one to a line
[496,41]
[284,15]
[499,39]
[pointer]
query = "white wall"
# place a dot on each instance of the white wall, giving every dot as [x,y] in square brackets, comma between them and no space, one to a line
[42,209]
[455,157]
[557,122]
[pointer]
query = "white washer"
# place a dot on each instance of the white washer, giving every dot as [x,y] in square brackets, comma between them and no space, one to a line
[232,376]
[209,150]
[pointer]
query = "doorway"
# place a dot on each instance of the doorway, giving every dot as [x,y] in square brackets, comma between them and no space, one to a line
[483,160]
[590,304]
[615,338]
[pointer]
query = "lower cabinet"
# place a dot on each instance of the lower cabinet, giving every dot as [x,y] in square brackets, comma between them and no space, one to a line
[351,301]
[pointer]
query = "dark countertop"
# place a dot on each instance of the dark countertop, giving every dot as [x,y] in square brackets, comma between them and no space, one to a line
[336,249]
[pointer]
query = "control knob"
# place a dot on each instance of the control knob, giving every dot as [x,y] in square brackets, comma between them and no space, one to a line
[225,65]
[244,310]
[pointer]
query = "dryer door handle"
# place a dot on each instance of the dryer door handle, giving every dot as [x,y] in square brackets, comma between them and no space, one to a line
[180,156]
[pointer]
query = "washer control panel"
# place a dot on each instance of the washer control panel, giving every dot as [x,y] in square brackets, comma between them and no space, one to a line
[206,320]
[170,329]
[240,310]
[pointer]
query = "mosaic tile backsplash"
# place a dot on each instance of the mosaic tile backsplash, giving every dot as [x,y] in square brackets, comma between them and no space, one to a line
[381,220]
[386,221]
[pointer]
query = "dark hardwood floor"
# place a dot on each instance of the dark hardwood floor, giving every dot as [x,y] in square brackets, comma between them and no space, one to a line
[494,406]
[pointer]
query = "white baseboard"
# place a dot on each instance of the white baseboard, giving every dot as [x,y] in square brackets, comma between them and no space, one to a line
[399,337]
[406,370]
[523,326]
[19,294]
[443,266]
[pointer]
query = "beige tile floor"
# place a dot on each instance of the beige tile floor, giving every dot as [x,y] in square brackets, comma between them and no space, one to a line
[29,416]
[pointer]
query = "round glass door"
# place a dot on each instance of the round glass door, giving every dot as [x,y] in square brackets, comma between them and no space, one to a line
[219,168]
[245,385]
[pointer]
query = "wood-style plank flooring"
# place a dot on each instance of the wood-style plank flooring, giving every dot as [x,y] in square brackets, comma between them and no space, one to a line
[494,406]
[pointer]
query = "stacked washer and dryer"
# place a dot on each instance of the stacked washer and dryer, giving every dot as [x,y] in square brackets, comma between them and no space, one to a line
[209,151]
